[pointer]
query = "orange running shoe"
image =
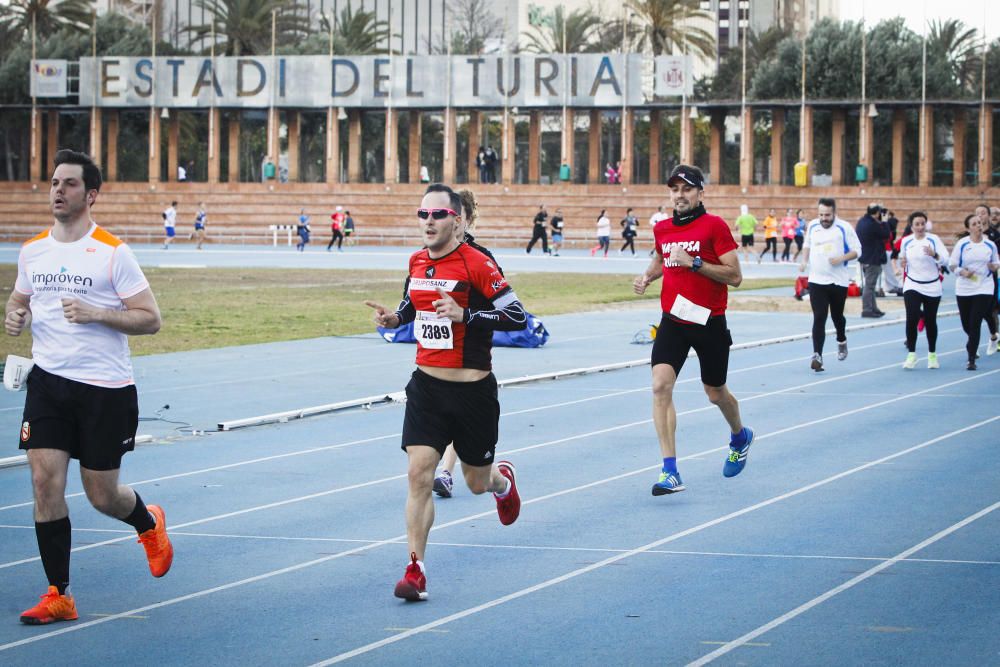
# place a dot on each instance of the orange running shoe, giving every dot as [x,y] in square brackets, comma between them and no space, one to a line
[53,607]
[159,551]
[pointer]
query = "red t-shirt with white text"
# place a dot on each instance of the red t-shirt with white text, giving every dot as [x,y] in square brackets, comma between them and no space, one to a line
[707,236]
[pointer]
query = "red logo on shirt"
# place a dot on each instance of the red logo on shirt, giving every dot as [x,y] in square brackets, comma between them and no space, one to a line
[25,431]
[91,249]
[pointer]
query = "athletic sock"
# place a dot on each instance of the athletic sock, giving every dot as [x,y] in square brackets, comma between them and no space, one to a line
[54,541]
[670,464]
[140,518]
[506,491]
[737,440]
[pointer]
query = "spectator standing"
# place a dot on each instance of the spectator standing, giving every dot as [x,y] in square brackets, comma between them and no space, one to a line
[491,165]
[557,222]
[538,231]
[181,174]
[873,234]
[746,225]
[890,269]
[481,164]
[603,234]
[630,227]
[169,224]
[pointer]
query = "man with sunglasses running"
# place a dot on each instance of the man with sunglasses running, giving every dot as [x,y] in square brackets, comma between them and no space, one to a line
[456,297]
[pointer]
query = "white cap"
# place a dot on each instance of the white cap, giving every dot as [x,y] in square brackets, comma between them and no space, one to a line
[340,208]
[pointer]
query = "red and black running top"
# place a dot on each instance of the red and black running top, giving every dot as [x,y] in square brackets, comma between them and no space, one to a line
[476,283]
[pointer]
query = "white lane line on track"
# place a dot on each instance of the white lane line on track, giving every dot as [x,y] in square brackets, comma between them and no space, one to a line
[652,545]
[549,443]
[313,450]
[851,583]
[473,517]
[525,547]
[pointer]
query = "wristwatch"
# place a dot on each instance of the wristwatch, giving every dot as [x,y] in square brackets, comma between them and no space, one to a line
[696,263]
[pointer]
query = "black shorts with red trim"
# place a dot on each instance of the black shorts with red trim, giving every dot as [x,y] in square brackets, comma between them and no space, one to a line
[93,424]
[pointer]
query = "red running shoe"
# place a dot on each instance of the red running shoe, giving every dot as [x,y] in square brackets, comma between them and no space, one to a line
[508,507]
[413,585]
[920,324]
[53,607]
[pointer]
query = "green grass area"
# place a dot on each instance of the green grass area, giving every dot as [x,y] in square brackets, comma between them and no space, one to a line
[205,308]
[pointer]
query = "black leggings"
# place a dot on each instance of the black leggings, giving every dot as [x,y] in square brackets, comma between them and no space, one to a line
[772,244]
[915,301]
[786,254]
[973,310]
[825,298]
[629,243]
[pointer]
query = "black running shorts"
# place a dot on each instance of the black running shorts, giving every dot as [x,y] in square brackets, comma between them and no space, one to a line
[94,424]
[746,240]
[439,412]
[711,343]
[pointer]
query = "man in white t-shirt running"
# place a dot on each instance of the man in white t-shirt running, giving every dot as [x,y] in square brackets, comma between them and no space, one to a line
[830,243]
[81,291]
[169,224]
[653,219]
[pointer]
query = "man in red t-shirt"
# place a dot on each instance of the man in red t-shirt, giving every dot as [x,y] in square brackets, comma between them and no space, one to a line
[696,256]
[456,296]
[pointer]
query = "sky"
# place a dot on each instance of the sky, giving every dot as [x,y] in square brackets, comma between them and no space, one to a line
[971,12]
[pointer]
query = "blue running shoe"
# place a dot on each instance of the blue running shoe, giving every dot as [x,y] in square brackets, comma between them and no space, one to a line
[738,454]
[669,482]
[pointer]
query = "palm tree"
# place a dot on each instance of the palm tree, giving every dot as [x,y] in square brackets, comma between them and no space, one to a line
[959,46]
[49,16]
[244,26]
[666,26]
[357,32]
[581,28]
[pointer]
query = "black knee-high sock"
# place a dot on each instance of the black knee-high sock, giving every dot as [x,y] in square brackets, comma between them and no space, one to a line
[140,518]
[54,541]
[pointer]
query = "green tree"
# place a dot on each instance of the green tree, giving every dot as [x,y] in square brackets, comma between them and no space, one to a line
[243,27]
[726,84]
[666,26]
[580,29]
[958,45]
[49,17]
[833,65]
[354,33]
[473,24]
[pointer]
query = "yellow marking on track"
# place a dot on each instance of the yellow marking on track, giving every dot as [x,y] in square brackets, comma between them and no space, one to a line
[889,628]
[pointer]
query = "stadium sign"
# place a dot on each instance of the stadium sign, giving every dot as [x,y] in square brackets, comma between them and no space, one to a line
[489,81]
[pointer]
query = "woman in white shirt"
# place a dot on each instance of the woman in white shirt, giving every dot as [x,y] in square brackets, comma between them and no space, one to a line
[603,233]
[972,261]
[921,255]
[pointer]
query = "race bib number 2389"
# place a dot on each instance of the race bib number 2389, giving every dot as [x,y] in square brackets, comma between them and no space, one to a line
[433,332]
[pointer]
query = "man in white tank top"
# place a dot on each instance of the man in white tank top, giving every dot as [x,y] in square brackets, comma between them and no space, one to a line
[81,291]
